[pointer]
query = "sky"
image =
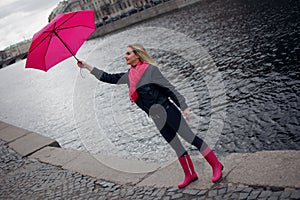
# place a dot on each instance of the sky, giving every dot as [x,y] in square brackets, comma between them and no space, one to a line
[20,19]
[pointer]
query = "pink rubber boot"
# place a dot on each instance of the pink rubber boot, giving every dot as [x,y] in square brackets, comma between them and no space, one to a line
[215,164]
[189,171]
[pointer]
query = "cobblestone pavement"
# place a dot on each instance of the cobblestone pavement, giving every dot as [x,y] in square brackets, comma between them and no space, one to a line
[24,178]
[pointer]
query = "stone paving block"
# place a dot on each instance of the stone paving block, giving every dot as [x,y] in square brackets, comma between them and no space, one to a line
[222,191]
[243,196]
[191,192]
[55,156]
[176,196]
[295,194]
[87,164]
[10,133]
[31,143]
[265,194]
[202,193]
[268,168]
[273,198]
[254,194]
[285,194]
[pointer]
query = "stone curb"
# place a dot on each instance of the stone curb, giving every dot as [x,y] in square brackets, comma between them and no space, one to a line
[23,141]
[10,133]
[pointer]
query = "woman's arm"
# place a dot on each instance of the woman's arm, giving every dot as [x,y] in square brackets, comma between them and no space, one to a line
[170,90]
[118,78]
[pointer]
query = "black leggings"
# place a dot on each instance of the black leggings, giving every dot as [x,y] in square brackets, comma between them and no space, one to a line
[169,121]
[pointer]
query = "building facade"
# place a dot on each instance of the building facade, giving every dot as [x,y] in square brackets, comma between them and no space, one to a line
[3,55]
[17,49]
[104,9]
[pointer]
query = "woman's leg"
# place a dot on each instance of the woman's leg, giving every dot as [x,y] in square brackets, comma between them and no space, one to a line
[183,157]
[177,122]
[171,137]
[159,117]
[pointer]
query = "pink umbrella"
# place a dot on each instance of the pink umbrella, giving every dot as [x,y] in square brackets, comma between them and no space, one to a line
[60,39]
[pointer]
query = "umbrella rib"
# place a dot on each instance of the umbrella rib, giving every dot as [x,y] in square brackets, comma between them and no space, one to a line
[58,28]
[40,41]
[73,14]
[69,27]
[51,35]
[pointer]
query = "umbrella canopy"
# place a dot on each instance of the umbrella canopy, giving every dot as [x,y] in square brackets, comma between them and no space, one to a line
[60,39]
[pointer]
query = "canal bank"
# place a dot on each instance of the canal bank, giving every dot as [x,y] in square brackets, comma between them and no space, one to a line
[149,13]
[34,166]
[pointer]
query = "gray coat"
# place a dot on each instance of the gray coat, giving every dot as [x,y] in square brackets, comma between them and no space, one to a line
[153,87]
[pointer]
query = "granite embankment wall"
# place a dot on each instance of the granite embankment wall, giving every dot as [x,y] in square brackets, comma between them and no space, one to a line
[141,16]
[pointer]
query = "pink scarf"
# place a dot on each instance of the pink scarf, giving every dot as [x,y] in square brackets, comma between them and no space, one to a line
[135,74]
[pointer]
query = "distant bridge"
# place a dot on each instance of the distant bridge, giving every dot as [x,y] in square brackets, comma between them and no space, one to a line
[12,60]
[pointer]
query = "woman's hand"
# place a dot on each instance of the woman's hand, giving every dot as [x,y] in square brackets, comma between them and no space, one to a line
[80,64]
[83,64]
[187,114]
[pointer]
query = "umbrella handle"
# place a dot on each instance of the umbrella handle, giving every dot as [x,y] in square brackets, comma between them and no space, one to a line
[76,58]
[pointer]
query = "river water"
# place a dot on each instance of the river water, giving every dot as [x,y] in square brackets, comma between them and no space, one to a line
[253,48]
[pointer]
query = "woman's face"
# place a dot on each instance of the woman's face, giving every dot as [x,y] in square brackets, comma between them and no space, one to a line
[131,58]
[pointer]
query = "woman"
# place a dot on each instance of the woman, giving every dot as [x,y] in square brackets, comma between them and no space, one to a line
[151,91]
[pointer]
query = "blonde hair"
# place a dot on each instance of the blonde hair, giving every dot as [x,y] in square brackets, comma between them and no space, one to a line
[143,54]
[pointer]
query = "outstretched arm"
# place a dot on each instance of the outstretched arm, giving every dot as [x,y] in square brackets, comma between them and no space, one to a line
[118,78]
